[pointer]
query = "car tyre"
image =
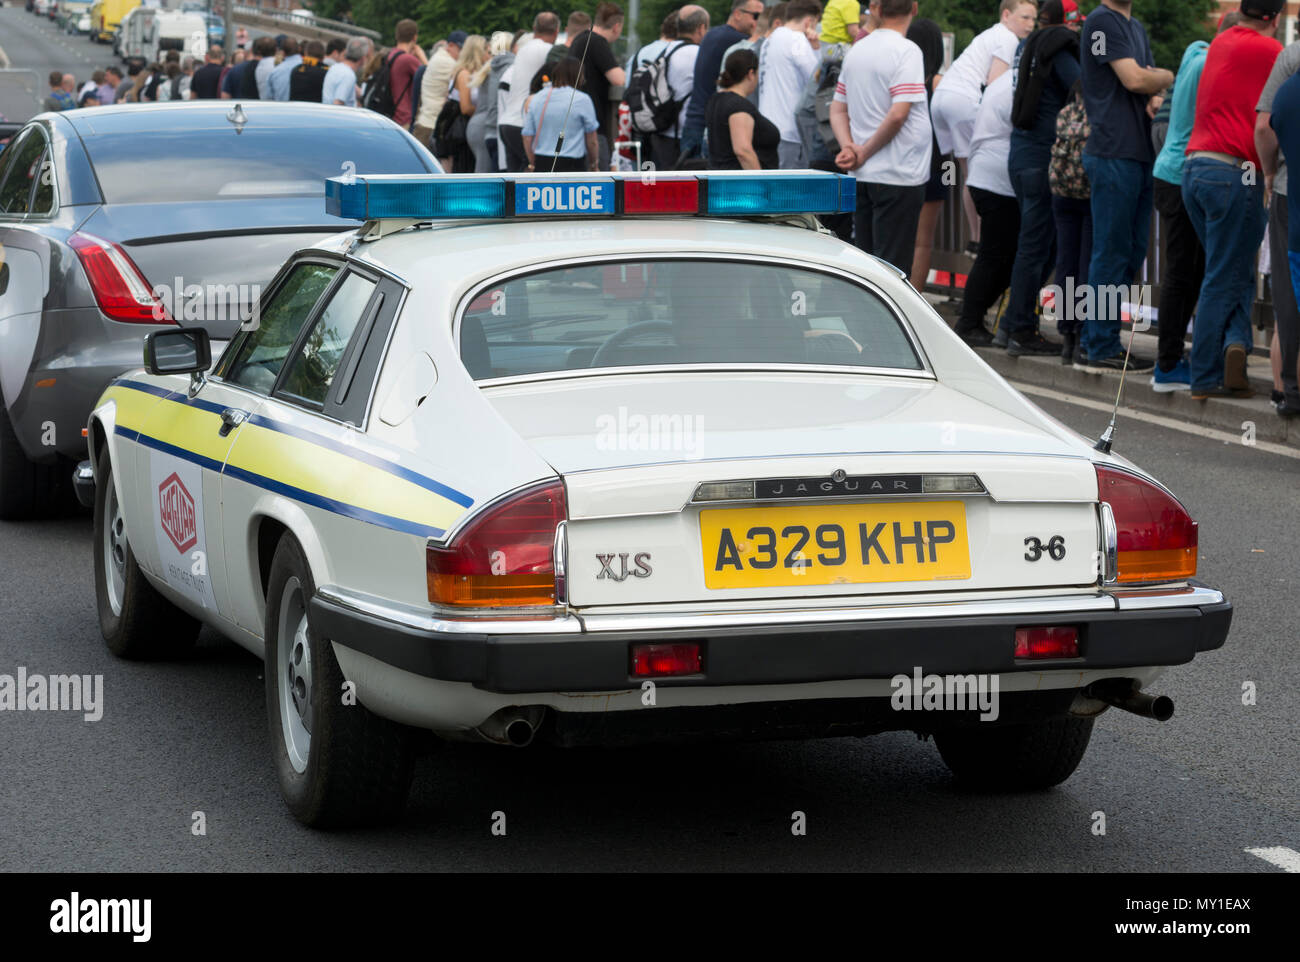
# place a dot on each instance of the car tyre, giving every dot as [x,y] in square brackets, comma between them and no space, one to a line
[1016,758]
[137,622]
[339,765]
[28,490]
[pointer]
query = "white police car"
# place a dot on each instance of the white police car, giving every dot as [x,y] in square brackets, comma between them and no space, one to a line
[593,459]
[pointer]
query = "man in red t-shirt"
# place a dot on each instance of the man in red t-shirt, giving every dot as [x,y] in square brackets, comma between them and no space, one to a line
[407,59]
[1223,192]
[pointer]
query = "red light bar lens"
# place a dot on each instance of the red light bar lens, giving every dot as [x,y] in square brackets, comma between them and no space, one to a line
[657,196]
[1047,643]
[660,661]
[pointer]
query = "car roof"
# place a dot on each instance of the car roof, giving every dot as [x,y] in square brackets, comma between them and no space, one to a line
[211,115]
[457,251]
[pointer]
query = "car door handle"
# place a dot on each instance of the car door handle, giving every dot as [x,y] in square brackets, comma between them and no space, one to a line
[231,418]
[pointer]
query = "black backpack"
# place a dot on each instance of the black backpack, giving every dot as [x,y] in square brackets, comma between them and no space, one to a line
[822,104]
[379,95]
[649,96]
[1035,66]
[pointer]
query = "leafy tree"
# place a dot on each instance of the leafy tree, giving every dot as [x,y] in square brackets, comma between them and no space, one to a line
[438,18]
[962,18]
[1171,24]
[654,11]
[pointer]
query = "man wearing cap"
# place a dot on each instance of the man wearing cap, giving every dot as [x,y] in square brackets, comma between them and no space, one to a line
[437,84]
[1224,195]
[1046,71]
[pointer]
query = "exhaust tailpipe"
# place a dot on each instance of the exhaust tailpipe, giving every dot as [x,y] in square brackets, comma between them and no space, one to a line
[514,726]
[519,732]
[1131,699]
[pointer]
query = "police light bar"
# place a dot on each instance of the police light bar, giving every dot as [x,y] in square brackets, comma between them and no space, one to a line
[705,194]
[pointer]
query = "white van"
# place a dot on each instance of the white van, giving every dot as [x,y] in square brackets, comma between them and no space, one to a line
[183,31]
[148,33]
[136,34]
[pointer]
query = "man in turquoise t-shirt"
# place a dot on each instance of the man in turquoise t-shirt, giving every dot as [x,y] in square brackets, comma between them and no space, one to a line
[1184,258]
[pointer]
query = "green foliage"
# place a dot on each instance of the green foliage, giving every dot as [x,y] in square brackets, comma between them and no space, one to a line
[654,11]
[962,18]
[438,18]
[1171,24]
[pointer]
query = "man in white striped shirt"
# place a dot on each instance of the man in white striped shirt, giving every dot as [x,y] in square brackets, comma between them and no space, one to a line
[880,119]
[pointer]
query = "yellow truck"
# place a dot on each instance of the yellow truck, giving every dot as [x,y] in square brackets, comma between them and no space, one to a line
[106,15]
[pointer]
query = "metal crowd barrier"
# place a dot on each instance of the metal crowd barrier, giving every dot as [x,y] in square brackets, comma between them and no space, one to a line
[950,259]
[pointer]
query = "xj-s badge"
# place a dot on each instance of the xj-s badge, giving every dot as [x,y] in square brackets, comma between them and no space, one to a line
[641,560]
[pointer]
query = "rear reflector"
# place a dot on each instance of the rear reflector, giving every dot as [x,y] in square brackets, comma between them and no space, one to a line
[660,661]
[1047,643]
[1157,538]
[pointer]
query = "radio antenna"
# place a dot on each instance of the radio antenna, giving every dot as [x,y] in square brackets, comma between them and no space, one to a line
[1104,442]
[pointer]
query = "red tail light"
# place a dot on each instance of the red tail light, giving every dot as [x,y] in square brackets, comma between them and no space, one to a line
[505,557]
[1157,537]
[120,289]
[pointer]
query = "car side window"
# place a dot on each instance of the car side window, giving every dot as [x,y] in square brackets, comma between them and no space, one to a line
[43,198]
[312,370]
[20,170]
[264,352]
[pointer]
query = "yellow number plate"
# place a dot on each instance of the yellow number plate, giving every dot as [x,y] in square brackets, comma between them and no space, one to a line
[834,544]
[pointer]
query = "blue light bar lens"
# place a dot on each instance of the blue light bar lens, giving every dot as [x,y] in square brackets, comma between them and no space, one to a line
[782,194]
[438,196]
[443,197]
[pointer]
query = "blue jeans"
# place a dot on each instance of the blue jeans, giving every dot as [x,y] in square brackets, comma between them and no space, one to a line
[1121,225]
[692,144]
[1229,218]
[1035,248]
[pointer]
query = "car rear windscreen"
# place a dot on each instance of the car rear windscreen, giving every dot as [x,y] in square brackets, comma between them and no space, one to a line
[676,312]
[160,167]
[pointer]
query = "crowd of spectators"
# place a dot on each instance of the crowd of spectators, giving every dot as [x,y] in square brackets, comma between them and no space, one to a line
[1064,131]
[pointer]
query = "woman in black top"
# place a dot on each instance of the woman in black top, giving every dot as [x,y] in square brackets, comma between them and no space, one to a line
[927,35]
[740,138]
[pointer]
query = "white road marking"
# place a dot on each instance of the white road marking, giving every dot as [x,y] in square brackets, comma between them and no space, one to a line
[1287,859]
[1158,419]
